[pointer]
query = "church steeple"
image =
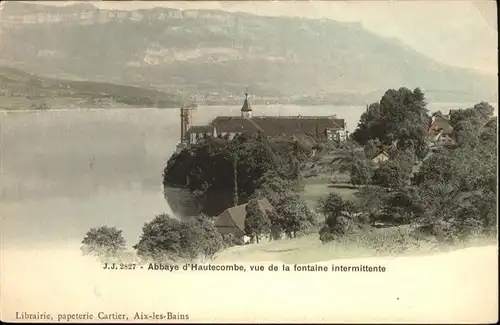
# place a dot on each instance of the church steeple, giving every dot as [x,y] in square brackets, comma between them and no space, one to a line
[246,110]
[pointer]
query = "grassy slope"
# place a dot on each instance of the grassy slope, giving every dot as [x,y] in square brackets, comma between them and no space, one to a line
[393,241]
[21,90]
[369,242]
[320,179]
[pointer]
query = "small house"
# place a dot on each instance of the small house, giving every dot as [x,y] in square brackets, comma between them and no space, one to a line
[381,157]
[440,125]
[232,220]
[440,131]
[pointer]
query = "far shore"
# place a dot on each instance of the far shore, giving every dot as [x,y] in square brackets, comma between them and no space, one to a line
[18,110]
[437,105]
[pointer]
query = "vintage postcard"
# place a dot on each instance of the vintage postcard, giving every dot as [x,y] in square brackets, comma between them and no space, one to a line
[248,162]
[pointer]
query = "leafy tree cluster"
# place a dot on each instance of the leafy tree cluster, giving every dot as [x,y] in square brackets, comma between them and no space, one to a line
[290,215]
[223,173]
[457,187]
[168,239]
[162,239]
[103,242]
[231,240]
[256,220]
[372,148]
[451,191]
[468,123]
[341,217]
[401,116]
[397,172]
[355,163]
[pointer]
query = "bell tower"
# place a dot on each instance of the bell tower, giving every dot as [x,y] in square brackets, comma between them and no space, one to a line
[246,110]
[186,119]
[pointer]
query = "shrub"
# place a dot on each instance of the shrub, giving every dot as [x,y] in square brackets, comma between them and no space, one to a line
[326,234]
[230,240]
[291,214]
[168,239]
[256,221]
[103,241]
[209,240]
[341,217]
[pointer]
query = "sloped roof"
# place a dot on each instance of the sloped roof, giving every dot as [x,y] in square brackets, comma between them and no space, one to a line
[291,125]
[339,121]
[246,106]
[381,153]
[235,124]
[277,125]
[200,129]
[441,123]
[235,216]
[303,139]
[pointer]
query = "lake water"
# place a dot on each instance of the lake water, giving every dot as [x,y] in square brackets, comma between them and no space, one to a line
[63,172]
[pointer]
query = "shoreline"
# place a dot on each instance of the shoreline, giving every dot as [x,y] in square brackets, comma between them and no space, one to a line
[430,104]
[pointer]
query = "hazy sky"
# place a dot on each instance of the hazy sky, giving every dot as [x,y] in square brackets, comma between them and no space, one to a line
[461,33]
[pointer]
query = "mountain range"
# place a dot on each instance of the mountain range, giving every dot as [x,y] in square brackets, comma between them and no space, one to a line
[203,52]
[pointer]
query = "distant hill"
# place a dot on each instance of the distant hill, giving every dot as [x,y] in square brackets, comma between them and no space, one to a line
[21,90]
[199,52]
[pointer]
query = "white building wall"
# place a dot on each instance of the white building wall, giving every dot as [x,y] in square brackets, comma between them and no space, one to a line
[337,135]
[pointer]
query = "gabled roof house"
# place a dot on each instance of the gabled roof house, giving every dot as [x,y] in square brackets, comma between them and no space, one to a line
[232,220]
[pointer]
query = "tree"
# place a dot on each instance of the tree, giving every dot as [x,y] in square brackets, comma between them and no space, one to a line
[477,115]
[361,172]
[401,207]
[469,124]
[235,180]
[466,133]
[372,147]
[291,214]
[167,239]
[400,116]
[275,187]
[294,215]
[256,222]
[161,239]
[357,165]
[209,239]
[457,187]
[331,206]
[369,126]
[371,201]
[217,170]
[339,219]
[485,110]
[103,241]
[397,172]
[224,173]
[389,175]
[255,157]
[489,132]
[275,228]
[437,167]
